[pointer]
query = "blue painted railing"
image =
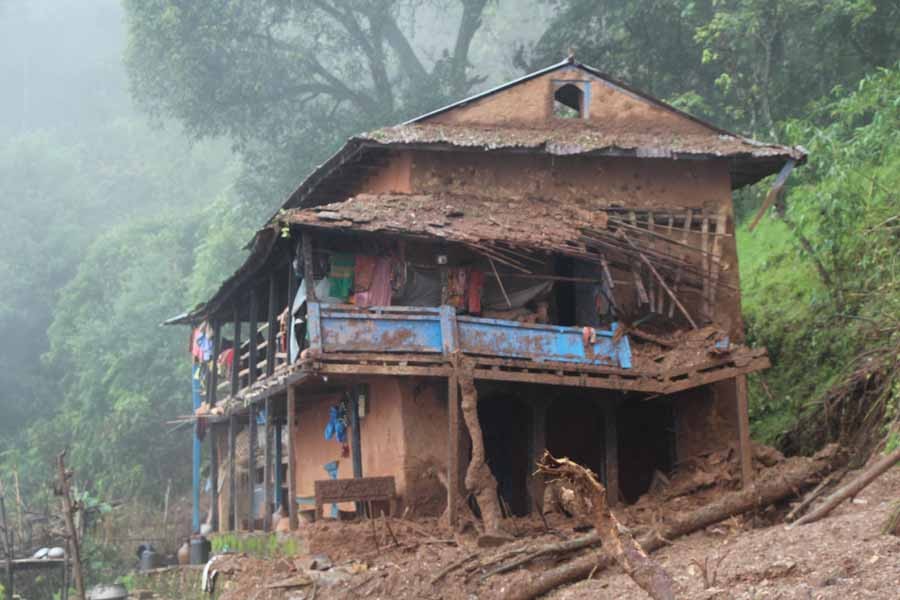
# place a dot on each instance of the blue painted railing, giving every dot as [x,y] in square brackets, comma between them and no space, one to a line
[342,328]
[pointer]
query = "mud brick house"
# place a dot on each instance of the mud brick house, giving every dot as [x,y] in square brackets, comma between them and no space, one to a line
[557,252]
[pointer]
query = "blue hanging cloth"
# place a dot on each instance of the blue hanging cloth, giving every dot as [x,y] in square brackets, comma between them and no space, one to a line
[336,428]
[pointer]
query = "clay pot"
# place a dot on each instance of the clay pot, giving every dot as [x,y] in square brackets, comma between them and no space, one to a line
[184,553]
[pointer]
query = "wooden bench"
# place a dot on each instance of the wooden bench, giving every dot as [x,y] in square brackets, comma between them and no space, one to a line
[362,489]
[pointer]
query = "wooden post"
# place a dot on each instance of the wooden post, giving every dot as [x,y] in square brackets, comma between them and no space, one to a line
[612,453]
[536,446]
[743,422]
[214,477]
[10,550]
[453,448]
[236,363]
[69,509]
[251,468]
[272,330]
[267,469]
[214,370]
[279,499]
[232,473]
[253,357]
[355,447]
[308,274]
[292,460]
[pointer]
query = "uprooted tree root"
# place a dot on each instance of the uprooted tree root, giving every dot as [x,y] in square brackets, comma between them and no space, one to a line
[852,412]
[646,572]
[794,475]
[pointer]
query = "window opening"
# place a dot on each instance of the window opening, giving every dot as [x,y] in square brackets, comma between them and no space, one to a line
[568,102]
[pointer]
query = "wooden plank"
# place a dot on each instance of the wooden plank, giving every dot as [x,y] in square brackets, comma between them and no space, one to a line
[611,452]
[716,259]
[743,419]
[251,336]
[688,217]
[236,365]
[267,469]
[453,433]
[252,444]
[271,327]
[292,459]
[232,474]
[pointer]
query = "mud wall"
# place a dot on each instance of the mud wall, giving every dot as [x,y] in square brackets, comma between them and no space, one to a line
[610,107]
[425,429]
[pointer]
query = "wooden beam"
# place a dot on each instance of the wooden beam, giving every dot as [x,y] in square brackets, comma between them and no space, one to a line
[232,474]
[251,337]
[611,455]
[279,498]
[214,477]
[659,278]
[743,421]
[236,363]
[251,467]
[267,469]
[272,330]
[453,448]
[292,460]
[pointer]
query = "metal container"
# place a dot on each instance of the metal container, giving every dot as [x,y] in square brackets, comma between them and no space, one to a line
[200,549]
[150,560]
[108,592]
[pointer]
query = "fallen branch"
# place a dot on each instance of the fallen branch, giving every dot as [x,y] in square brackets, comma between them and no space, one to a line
[794,474]
[645,572]
[851,489]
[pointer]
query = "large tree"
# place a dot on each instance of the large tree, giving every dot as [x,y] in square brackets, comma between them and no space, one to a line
[285,80]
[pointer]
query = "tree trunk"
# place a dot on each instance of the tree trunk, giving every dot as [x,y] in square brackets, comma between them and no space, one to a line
[851,489]
[778,483]
[70,507]
[479,478]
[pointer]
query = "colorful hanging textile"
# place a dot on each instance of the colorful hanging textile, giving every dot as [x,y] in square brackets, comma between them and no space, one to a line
[341,275]
[456,286]
[379,292]
[364,273]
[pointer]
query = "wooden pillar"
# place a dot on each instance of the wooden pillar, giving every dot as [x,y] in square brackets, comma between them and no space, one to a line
[279,500]
[292,461]
[267,469]
[232,473]
[743,421]
[214,476]
[252,335]
[453,448]
[612,452]
[536,446]
[214,370]
[308,273]
[236,364]
[355,440]
[251,467]
[272,330]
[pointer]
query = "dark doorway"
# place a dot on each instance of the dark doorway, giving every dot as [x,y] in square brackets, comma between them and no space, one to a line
[646,442]
[506,424]
[575,430]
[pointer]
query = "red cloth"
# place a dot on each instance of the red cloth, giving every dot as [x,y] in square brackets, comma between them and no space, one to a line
[473,295]
[379,292]
[364,272]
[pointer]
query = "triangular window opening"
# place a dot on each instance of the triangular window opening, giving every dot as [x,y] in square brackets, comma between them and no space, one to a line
[568,102]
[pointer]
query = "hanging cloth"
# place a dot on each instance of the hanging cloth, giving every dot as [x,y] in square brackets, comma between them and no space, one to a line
[364,273]
[456,287]
[341,275]
[473,295]
[379,292]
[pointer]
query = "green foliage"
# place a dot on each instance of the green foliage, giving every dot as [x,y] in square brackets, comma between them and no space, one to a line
[817,307]
[263,545]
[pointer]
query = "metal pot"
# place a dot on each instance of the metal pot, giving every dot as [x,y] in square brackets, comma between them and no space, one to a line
[108,592]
